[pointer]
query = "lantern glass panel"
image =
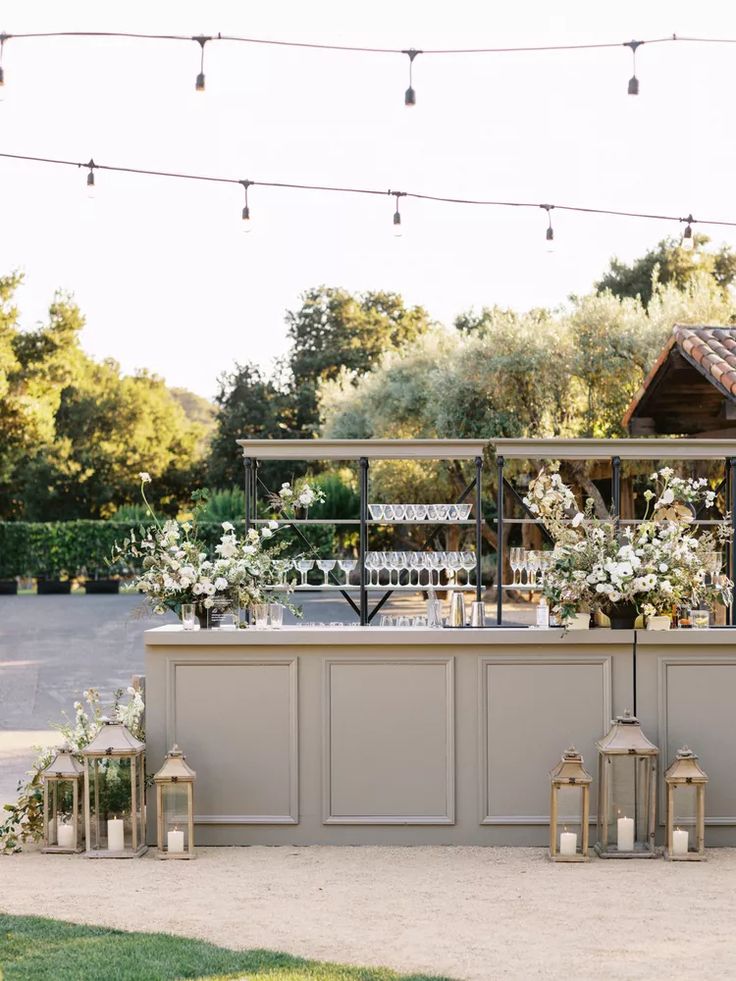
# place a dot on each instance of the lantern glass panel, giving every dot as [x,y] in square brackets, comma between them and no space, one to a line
[111,804]
[61,815]
[685,812]
[175,804]
[628,798]
[570,813]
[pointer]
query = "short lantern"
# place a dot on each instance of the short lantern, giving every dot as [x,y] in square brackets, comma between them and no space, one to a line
[627,787]
[175,806]
[62,794]
[569,807]
[685,826]
[114,793]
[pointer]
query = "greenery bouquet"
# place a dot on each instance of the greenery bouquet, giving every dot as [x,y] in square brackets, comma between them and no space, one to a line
[654,566]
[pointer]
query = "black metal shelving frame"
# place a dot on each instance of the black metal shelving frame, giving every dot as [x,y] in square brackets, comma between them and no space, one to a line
[362,451]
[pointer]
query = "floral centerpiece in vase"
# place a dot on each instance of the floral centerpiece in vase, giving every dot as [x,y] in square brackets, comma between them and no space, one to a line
[178,568]
[650,568]
[295,502]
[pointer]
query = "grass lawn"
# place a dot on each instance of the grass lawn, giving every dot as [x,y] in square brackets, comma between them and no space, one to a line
[36,949]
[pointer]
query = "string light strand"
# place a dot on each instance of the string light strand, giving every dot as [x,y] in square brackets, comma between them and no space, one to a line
[92,166]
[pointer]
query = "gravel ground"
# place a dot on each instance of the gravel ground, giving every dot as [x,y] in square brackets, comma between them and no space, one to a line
[473,913]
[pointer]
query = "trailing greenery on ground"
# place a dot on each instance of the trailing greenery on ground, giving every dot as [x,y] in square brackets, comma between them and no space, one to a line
[37,949]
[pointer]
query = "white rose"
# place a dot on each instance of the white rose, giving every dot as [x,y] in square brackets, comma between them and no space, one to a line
[197,589]
[227,526]
[663,567]
[273,524]
[266,533]
[221,583]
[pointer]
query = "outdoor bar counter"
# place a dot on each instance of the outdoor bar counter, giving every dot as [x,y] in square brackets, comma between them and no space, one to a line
[359,735]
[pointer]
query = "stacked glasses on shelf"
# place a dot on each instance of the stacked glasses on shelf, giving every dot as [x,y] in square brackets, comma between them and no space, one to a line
[418,569]
[529,567]
[419,512]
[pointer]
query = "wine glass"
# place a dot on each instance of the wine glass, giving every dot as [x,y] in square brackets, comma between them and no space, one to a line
[347,566]
[304,565]
[371,565]
[436,564]
[417,562]
[454,563]
[533,564]
[514,562]
[523,566]
[392,564]
[282,566]
[326,566]
[468,562]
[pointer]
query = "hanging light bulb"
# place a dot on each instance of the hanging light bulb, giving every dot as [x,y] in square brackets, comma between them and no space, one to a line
[91,179]
[3,39]
[247,224]
[410,96]
[201,40]
[398,231]
[633,81]
[550,235]
[688,241]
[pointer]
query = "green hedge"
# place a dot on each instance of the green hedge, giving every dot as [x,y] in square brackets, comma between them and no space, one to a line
[61,549]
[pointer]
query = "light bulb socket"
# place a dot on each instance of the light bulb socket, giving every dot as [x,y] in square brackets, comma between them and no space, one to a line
[550,234]
[91,179]
[2,76]
[199,87]
[633,85]
[246,213]
[410,97]
[397,218]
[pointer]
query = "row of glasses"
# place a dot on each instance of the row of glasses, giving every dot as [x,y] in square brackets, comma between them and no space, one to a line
[419,512]
[304,567]
[422,568]
[403,621]
[527,565]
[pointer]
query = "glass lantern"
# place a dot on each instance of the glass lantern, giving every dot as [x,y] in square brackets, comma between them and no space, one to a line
[627,786]
[569,809]
[174,806]
[685,825]
[62,794]
[114,793]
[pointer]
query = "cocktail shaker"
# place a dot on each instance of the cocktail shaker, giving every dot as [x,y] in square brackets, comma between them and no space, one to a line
[457,610]
[478,614]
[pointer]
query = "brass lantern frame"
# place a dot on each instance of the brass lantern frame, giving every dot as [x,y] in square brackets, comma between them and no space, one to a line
[63,769]
[115,741]
[175,772]
[569,772]
[685,771]
[626,739]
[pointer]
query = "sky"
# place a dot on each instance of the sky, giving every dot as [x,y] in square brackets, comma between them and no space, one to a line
[162,270]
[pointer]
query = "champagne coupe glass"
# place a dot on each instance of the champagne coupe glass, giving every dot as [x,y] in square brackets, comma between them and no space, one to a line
[533,566]
[347,566]
[304,565]
[455,564]
[467,560]
[326,566]
[514,562]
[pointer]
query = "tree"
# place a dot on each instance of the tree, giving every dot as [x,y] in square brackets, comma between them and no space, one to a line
[334,330]
[667,264]
[251,406]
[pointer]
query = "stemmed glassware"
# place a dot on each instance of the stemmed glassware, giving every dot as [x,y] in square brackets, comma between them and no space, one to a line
[417,563]
[515,563]
[533,565]
[436,565]
[282,566]
[303,566]
[347,566]
[467,561]
[326,566]
[454,565]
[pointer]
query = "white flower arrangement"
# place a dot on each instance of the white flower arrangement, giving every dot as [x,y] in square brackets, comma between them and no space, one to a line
[656,565]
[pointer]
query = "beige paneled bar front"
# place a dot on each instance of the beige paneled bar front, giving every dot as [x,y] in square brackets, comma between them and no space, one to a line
[371,735]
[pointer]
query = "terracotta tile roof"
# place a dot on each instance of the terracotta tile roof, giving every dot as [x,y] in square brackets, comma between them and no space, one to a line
[712,350]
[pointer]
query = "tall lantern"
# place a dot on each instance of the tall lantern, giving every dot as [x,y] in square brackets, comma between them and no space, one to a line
[114,793]
[62,792]
[627,787]
[175,807]
[569,806]
[685,827]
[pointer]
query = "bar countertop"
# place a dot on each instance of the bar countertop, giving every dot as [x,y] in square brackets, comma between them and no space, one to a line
[173,635]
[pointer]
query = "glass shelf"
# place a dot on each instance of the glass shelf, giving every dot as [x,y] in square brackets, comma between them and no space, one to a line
[356,522]
[384,588]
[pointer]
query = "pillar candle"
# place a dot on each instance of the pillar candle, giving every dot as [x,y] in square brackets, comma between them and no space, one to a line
[680,841]
[568,843]
[625,840]
[175,840]
[66,836]
[115,835]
